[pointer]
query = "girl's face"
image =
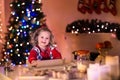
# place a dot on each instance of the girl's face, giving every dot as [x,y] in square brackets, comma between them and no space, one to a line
[43,39]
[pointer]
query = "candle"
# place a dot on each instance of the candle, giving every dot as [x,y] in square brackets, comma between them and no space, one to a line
[92,73]
[98,72]
[65,76]
[54,74]
[104,72]
[81,67]
[113,62]
[58,74]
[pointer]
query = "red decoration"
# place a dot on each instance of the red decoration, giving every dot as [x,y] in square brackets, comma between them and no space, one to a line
[88,6]
[104,6]
[112,7]
[85,6]
[81,7]
[100,45]
[97,6]
[104,45]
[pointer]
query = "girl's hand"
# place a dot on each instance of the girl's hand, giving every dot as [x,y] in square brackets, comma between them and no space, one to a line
[34,63]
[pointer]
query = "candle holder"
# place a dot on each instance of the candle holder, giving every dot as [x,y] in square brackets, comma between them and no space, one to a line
[82,60]
[81,66]
[103,49]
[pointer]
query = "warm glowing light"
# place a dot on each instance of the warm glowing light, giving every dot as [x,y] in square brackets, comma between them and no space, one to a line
[18,55]
[33,10]
[16,45]
[23,3]
[11,50]
[23,12]
[17,49]
[73,27]
[13,13]
[8,43]
[18,5]
[11,5]
[28,43]
[20,62]
[38,9]
[21,44]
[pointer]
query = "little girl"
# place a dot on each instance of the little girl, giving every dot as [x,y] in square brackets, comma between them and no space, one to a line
[42,40]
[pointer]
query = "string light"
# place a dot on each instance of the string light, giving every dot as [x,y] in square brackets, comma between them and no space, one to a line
[28,43]
[95,26]
[21,44]
[18,5]
[11,51]
[33,10]
[27,26]
[29,18]
[33,2]
[20,62]
[11,5]
[38,9]
[16,45]
[18,55]
[93,31]
[23,3]
[37,23]
[22,12]
[1,35]
[13,13]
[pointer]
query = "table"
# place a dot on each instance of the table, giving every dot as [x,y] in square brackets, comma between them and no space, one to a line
[23,72]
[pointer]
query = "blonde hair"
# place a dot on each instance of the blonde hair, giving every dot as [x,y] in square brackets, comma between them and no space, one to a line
[34,36]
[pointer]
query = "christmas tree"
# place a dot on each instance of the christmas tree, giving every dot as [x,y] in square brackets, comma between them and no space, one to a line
[26,16]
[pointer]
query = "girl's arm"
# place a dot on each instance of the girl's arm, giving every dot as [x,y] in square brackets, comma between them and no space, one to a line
[32,56]
[56,54]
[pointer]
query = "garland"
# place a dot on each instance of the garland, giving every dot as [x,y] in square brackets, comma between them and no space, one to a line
[93,26]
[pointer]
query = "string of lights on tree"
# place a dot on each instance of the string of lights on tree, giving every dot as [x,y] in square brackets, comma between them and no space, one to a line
[1,31]
[93,26]
[26,16]
[1,36]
